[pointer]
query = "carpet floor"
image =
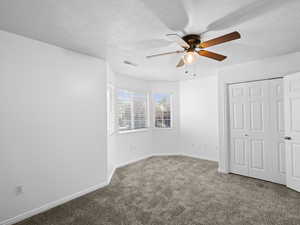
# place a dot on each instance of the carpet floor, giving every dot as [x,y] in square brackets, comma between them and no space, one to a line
[178,190]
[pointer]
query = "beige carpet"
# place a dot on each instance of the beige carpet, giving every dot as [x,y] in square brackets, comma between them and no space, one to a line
[178,190]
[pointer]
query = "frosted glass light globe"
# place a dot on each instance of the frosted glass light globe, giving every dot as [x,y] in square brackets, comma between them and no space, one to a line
[189,57]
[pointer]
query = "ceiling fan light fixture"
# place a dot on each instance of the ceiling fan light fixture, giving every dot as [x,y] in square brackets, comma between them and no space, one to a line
[189,57]
[193,47]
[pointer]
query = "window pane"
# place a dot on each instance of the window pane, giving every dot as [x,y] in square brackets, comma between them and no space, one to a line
[158,123]
[167,115]
[162,110]
[132,110]
[138,124]
[167,123]
[140,110]
[124,107]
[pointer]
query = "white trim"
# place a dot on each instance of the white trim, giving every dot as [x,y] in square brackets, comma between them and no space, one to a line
[129,89]
[51,205]
[199,157]
[222,171]
[109,177]
[163,128]
[133,131]
[132,161]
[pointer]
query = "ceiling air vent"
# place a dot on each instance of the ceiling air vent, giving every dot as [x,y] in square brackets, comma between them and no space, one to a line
[130,63]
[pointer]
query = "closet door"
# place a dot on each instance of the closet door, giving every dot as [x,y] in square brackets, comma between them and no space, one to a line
[259,129]
[238,98]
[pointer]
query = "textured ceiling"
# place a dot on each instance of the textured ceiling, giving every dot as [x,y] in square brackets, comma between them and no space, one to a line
[119,30]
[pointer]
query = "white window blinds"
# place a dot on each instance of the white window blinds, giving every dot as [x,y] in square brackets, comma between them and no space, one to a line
[162,104]
[132,110]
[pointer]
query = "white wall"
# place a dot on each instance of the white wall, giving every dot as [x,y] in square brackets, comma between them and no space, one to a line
[127,147]
[199,117]
[53,123]
[257,70]
[166,141]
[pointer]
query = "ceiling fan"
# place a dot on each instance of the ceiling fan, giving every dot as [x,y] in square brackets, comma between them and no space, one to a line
[192,46]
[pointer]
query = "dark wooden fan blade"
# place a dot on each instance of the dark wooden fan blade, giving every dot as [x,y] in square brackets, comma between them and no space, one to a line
[180,63]
[166,53]
[219,40]
[212,55]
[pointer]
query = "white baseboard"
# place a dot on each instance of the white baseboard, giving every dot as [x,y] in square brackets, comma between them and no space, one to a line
[50,205]
[144,157]
[118,165]
[220,170]
[109,177]
[167,154]
[199,157]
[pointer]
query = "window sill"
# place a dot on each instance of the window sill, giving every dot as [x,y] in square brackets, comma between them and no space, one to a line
[133,131]
[163,129]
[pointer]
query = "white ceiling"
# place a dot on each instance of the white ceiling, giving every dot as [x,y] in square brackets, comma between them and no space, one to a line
[119,30]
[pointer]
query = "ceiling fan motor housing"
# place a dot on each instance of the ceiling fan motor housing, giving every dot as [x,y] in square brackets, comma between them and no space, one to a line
[193,40]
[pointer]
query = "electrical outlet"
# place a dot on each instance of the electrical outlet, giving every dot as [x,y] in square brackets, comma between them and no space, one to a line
[19,190]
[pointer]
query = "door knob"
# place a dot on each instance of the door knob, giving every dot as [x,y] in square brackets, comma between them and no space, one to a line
[246,135]
[287,138]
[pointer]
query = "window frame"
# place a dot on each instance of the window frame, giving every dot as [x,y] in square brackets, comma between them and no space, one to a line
[171,111]
[111,118]
[131,91]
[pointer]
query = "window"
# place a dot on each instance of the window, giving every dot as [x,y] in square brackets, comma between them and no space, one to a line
[162,104]
[132,110]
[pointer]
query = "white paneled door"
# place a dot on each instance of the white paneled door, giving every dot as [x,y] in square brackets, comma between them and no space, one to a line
[256,130]
[292,129]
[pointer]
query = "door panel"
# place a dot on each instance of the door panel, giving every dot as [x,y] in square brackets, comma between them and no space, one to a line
[295,155]
[239,151]
[281,158]
[256,116]
[238,117]
[237,92]
[257,154]
[292,129]
[279,115]
[295,112]
[256,91]
[239,157]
